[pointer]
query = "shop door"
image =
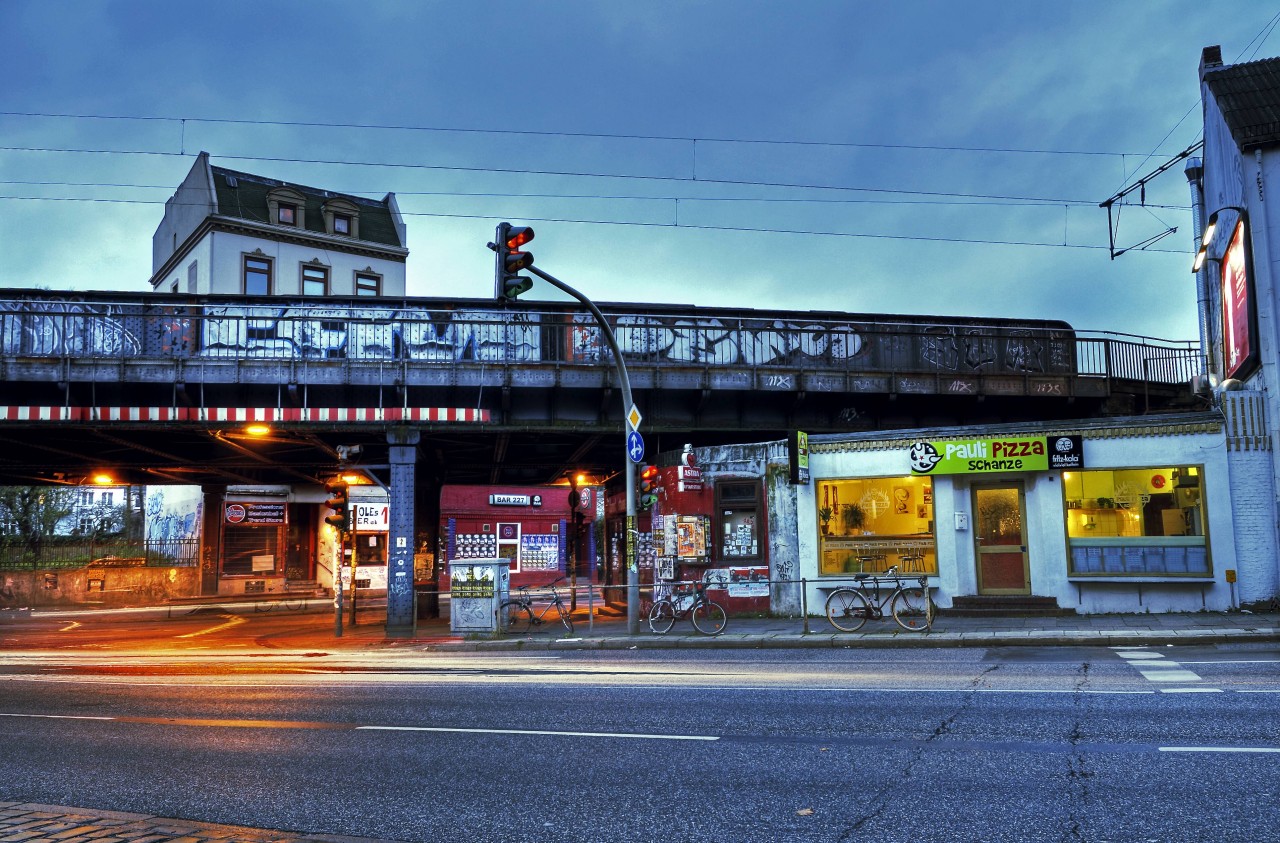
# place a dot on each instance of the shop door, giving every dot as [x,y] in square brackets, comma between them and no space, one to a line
[1000,538]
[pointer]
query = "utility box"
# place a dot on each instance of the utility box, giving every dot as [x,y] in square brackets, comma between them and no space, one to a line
[477,588]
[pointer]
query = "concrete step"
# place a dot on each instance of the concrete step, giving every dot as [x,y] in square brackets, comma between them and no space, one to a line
[1019,605]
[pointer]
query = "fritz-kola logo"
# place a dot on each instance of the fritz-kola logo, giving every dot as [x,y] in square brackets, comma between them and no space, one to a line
[1064,445]
[924,457]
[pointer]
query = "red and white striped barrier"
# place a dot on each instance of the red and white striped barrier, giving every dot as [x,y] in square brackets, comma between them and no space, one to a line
[243,415]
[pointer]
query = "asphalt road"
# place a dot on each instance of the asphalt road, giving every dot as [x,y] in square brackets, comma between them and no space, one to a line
[1024,744]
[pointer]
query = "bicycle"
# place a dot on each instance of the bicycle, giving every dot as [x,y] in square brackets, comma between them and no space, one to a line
[707,616]
[849,607]
[518,612]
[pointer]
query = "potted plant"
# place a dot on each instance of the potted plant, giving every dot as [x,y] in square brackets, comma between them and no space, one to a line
[824,515]
[852,518]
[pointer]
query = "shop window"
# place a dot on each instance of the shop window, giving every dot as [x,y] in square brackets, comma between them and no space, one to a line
[869,524]
[250,551]
[1136,522]
[739,506]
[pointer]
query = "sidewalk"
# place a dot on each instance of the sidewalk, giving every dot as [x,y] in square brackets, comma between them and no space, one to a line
[31,823]
[609,632]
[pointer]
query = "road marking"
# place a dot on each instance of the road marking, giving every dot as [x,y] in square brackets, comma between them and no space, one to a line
[234,620]
[1166,675]
[303,724]
[70,626]
[637,735]
[1191,690]
[1269,749]
[57,716]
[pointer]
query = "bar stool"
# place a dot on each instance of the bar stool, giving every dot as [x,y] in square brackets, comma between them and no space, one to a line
[872,563]
[911,562]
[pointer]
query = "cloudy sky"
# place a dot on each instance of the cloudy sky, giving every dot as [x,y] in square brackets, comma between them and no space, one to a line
[913,157]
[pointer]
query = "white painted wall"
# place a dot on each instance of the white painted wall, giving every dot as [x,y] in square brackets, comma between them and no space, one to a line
[226,251]
[1046,527]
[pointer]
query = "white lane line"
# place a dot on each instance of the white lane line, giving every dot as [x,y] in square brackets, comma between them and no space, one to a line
[1191,690]
[56,716]
[1166,675]
[1269,749]
[636,735]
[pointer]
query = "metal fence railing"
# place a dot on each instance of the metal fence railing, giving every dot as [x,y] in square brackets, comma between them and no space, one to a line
[84,553]
[433,332]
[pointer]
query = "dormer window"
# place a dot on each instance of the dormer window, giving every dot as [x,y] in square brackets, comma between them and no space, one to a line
[341,217]
[286,206]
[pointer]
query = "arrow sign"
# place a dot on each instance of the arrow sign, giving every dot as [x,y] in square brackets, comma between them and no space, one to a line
[635,446]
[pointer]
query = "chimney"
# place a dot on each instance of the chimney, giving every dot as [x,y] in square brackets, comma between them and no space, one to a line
[1210,60]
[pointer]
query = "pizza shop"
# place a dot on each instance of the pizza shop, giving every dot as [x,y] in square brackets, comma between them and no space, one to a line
[1107,515]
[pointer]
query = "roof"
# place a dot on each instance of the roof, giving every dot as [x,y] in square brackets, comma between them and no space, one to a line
[1249,97]
[244,195]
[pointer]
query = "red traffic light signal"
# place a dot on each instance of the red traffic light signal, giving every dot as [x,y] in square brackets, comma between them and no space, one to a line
[647,487]
[508,283]
[338,501]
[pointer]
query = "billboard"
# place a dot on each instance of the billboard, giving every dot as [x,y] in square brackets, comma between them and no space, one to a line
[1239,332]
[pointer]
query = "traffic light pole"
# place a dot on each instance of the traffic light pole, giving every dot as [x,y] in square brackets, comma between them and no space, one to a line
[633,571]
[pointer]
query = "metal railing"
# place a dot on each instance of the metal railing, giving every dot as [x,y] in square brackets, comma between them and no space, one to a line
[16,555]
[430,332]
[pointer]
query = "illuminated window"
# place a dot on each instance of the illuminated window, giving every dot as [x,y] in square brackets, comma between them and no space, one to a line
[287,214]
[869,524]
[1136,521]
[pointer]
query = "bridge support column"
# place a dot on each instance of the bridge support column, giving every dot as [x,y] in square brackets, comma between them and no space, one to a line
[404,457]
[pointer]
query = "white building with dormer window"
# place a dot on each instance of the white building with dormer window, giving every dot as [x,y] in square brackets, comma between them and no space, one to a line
[227,232]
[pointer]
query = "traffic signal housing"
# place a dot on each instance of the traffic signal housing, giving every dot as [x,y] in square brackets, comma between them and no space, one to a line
[647,487]
[340,518]
[508,283]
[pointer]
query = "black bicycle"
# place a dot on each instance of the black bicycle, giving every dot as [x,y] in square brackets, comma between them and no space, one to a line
[911,605]
[707,616]
[519,615]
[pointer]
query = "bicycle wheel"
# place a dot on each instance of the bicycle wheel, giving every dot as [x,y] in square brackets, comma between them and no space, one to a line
[912,608]
[294,604]
[516,616]
[565,618]
[708,618]
[662,616]
[847,609]
[263,606]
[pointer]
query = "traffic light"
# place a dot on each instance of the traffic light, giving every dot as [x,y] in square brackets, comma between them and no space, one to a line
[340,518]
[508,283]
[647,487]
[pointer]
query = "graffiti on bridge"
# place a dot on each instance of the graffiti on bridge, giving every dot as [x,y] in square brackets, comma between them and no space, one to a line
[58,327]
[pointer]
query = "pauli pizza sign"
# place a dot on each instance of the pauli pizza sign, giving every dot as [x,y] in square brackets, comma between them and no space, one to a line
[997,454]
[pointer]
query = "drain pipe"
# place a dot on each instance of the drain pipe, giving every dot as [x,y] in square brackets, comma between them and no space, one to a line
[1195,174]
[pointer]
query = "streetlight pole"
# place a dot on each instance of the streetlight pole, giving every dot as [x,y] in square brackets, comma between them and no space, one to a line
[633,571]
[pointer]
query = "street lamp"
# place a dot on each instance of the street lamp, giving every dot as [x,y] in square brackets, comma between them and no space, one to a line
[1209,230]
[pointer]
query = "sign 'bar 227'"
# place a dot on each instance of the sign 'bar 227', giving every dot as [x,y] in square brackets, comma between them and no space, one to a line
[1000,454]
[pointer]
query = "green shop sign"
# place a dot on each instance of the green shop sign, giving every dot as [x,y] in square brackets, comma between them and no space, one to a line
[1002,454]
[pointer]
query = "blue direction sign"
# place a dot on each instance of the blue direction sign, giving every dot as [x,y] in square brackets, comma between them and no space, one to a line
[635,446]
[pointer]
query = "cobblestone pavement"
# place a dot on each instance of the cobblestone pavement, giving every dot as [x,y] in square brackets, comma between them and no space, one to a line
[28,823]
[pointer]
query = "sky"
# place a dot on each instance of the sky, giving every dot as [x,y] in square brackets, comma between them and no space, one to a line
[939,158]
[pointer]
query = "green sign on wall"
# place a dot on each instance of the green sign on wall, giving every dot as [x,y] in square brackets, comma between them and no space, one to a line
[989,456]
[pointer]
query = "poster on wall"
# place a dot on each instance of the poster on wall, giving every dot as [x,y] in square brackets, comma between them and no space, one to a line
[750,581]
